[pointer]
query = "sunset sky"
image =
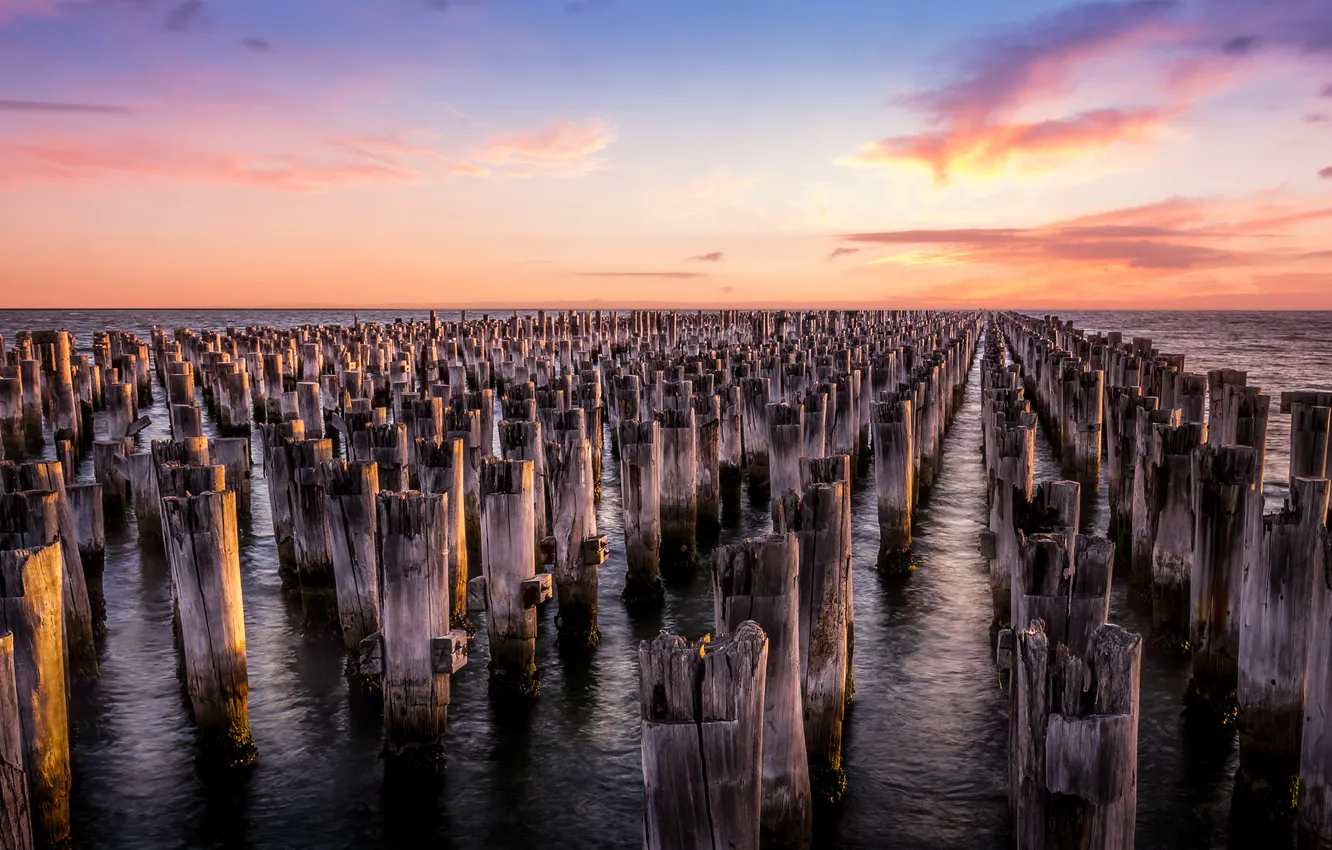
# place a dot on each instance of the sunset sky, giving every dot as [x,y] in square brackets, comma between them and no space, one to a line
[450,153]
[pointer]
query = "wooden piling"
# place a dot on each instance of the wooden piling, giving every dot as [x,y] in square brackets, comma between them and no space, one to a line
[891,422]
[640,483]
[758,580]
[440,472]
[678,459]
[702,740]
[31,608]
[419,650]
[48,475]
[350,493]
[1225,510]
[579,550]
[1274,649]
[508,561]
[15,814]
[203,550]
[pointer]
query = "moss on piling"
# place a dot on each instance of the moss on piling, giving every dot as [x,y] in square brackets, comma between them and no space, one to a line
[512,687]
[577,626]
[896,562]
[227,749]
[827,781]
[642,593]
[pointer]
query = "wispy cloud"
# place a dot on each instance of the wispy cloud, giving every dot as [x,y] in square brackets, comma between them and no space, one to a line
[258,45]
[984,119]
[1326,173]
[561,148]
[1178,234]
[82,160]
[58,108]
[710,257]
[842,252]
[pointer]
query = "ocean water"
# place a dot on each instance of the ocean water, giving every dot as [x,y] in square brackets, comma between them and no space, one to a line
[924,745]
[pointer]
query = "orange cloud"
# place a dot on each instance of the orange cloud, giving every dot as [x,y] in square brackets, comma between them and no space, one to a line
[992,148]
[1235,251]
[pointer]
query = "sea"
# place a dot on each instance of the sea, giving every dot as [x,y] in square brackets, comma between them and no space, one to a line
[924,742]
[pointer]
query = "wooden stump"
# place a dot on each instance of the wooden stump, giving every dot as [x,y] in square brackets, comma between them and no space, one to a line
[15,816]
[48,475]
[30,608]
[891,423]
[419,650]
[1273,658]
[203,549]
[579,550]
[678,458]
[1225,510]
[640,500]
[233,454]
[702,740]
[350,493]
[440,472]
[508,564]
[758,580]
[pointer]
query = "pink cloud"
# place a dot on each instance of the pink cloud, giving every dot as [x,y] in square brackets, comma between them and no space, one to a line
[81,160]
[980,119]
[561,148]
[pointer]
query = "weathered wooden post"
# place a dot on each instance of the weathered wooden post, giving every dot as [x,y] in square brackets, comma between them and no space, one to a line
[30,385]
[12,443]
[31,608]
[640,498]
[579,550]
[513,589]
[707,413]
[86,501]
[418,648]
[758,580]
[1077,740]
[115,487]
[350,493]
[523,441]
[15,815]
[678,458]
[1172,547]
[1309,429]
[1315,801]
[310,535]
[702,740]
[891,422]
[203,550]
[48,475]
[1225,511]
[1274,649]
[825,645]
[785,445]
[754,397]
[233,453]
[440,471]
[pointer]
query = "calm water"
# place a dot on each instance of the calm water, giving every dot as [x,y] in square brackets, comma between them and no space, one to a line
[924,742]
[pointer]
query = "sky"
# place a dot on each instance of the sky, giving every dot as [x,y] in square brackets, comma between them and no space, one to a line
[1147,154]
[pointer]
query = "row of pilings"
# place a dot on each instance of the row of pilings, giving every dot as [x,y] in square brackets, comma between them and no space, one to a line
[1244,594]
